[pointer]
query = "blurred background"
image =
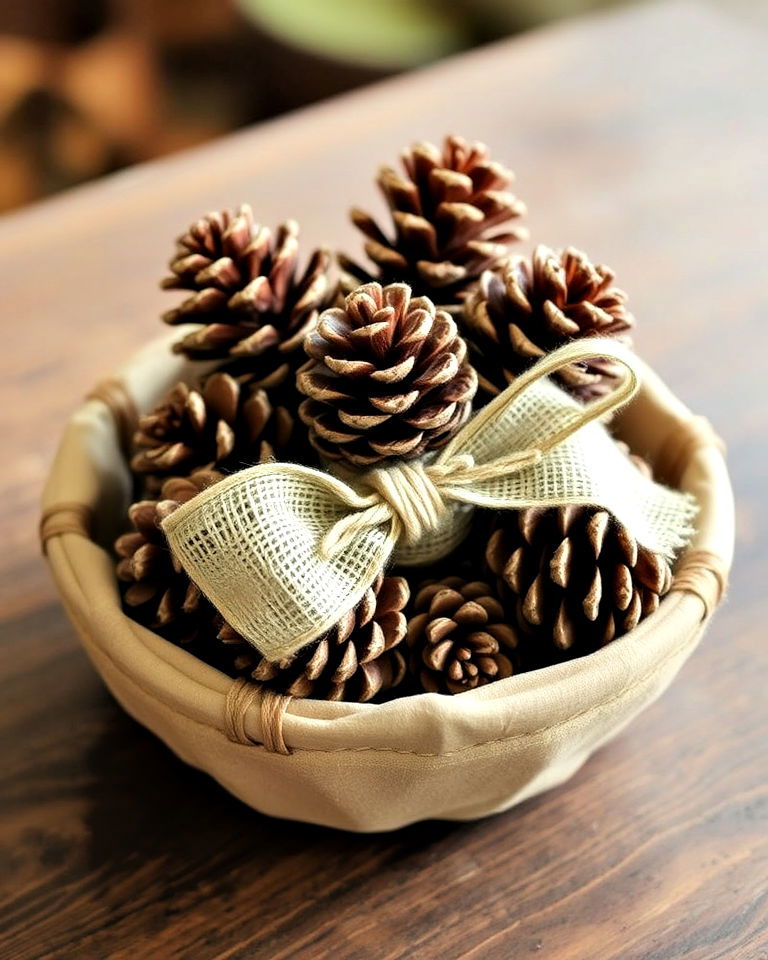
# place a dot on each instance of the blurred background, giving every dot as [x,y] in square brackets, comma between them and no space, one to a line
[90,86]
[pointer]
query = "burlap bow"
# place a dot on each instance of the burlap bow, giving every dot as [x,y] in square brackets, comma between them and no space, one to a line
[283,550]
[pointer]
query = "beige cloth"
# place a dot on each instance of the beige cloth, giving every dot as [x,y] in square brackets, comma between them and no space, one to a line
[284,551]
[362,766]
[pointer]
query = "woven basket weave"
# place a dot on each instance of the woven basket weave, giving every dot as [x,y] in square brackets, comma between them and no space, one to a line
[370,767]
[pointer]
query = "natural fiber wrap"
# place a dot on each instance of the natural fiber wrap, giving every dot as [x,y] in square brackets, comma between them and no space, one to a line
[362,766]
[284,551]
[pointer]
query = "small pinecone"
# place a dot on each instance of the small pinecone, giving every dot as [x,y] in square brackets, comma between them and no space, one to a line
[222,426]
[526,309]
[388,377]
[450,213]
[156,591]
[354,661]
[458,636]
[249,302]
[577,577]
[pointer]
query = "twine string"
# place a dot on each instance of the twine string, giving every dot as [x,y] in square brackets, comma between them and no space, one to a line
[240,697]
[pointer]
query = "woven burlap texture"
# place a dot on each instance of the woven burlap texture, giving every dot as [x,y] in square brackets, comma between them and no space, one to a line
[284,551]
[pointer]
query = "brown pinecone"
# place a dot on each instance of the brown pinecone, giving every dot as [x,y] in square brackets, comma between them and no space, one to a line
[388,377]
[577,577]
[450,218]
[156,591]
[527,308]
[222,426]
[247,298]
[354,661]
[458,636]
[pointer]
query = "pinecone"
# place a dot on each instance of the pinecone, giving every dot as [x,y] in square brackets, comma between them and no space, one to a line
[156,591]
[458,636]
[577,577]
[222,426]
[526,309]
[354,661]
[388,377]
[249,302]
[450,213]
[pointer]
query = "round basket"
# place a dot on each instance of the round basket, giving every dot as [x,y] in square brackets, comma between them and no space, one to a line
[370,767]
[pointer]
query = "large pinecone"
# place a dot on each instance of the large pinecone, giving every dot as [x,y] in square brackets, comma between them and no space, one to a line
[356,660]
[450,218]
[388,377]
[249,301]
[222,426]
[156,591]
[527,308]
[576,577]
[458,636]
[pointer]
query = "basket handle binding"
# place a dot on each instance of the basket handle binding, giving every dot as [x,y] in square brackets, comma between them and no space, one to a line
[73,517]
[67,516]
[272,706]
[116,397]
[703,574]
[700,572]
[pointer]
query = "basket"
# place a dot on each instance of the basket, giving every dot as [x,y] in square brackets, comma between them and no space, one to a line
[369,767]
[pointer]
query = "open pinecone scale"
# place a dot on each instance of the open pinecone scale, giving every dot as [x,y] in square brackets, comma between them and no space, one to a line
[452,217]
[458,636]
[246,295]
[573,577]
[388,377]
[222,426]
[358,659]
[156,591]
[527,308]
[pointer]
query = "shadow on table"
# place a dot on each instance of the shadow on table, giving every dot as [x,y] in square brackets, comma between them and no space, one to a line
[149,814]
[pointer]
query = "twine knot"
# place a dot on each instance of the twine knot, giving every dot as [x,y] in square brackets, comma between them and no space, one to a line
[403,496]
[414,498]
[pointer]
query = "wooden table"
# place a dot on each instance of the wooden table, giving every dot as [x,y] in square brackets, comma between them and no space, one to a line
[639,136]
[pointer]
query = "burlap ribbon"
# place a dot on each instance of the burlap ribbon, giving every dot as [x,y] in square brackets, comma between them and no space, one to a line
[283,550]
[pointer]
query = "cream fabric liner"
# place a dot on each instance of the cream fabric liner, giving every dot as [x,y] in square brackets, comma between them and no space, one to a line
[361,766]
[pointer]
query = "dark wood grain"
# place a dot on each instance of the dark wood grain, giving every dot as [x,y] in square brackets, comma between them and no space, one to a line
[641,137]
